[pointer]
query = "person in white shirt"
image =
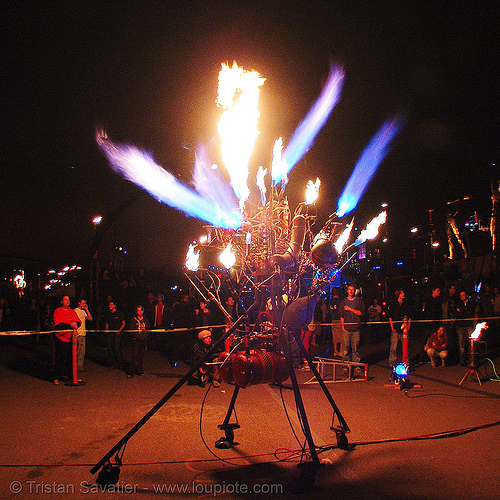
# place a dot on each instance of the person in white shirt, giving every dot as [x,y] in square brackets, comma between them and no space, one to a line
[82,310]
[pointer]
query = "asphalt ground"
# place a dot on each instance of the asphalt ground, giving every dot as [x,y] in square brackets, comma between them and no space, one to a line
[439,441]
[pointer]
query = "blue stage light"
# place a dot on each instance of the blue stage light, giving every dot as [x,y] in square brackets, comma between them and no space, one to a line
[400,372]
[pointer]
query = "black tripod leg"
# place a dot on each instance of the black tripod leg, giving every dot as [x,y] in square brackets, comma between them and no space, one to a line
[124,440]
[228,440]
[319,378]
[300,403]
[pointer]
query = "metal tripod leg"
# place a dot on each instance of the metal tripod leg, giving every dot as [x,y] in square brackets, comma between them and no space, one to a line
[299,402]
[343,424]
[470,371]
[228,441]
[124,440]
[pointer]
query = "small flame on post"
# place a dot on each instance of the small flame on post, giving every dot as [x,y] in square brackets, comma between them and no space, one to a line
[371,230]
[312,191]
[227,257]
[344,237]
[279,167]
[478,330]
[261,173]
[192,259]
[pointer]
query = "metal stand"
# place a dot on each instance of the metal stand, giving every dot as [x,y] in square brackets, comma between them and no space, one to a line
[472,371]
[306,480]
[474,362]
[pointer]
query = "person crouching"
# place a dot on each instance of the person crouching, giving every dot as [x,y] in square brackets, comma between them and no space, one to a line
[204,373]
[437,346]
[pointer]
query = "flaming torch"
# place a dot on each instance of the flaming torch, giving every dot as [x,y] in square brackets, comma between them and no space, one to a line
[474,362]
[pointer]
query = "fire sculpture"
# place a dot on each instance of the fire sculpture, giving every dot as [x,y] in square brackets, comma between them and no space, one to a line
[270,252]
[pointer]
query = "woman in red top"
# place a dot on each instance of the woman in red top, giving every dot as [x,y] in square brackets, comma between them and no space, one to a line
[66,320]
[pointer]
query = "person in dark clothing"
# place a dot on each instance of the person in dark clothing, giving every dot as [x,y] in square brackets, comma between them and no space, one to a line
[205,373]
[351,310]
[204,314]
[115,323]
[399,310]
[140,327]
[433,309]
[180,343]
[149,308]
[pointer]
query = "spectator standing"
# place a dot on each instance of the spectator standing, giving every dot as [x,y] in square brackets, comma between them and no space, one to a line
[115,323]
[161,313]
[374,311]
[66,320]
[336,326]
[399,310]
[203,314]
[83,313]
[161,321]
[140,327]
[433,310]
[149,308]
[183,317]
[351,310]
[230,307]
[450,308]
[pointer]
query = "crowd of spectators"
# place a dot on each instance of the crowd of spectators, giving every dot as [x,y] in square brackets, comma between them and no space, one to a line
[427,309]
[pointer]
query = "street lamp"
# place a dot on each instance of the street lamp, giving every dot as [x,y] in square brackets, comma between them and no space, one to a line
[97,220]
[94,267]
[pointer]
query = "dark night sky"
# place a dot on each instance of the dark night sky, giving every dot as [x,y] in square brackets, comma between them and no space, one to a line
[147,72]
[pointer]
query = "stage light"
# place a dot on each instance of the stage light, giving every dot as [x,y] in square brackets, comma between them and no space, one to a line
[400,373]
